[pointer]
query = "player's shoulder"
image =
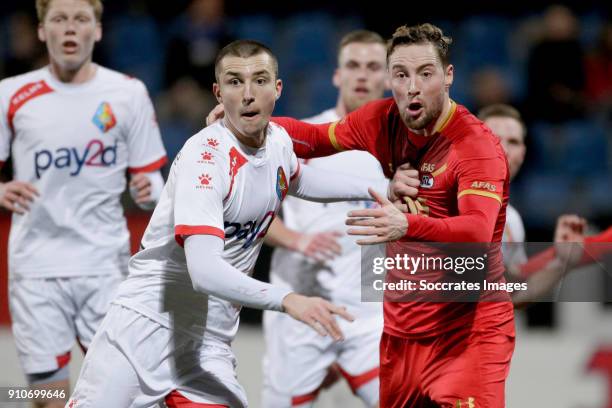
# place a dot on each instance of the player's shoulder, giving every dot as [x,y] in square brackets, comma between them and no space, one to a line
[277,135]
[214,139]
[11,85]
[119,79]
[471,138]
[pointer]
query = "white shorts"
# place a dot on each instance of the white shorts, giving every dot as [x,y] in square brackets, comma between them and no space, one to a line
[297,359]
[49,314]
[135,362]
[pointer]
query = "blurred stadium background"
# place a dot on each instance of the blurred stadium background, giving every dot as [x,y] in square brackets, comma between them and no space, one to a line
[553,62]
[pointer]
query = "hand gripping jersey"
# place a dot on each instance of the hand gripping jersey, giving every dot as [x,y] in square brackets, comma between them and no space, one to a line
[216,186]
[74,143]
[339,279]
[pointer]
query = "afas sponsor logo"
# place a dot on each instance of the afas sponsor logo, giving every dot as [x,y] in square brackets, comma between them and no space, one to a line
[484,185]
[250,231]
[73,159]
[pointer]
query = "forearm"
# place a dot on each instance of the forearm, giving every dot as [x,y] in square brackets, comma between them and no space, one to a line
[322,186]
[212,275]
[280,236]
[475,223]
[308,140]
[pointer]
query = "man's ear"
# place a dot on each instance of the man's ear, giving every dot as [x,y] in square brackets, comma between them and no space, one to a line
[449,76]
[41,33]
[279,88]
[217,92]
[336,78]
[98,31]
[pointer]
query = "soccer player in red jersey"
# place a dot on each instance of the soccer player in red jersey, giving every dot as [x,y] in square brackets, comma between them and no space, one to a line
[432,353]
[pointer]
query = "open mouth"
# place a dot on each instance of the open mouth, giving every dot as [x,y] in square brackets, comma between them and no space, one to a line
[69,46]
[361,90]
[415,108]
[250,115]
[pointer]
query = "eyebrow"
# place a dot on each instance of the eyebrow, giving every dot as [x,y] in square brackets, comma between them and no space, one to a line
[238,74]
[419,68]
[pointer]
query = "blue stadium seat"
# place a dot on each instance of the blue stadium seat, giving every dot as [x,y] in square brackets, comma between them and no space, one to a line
[262,28]
[309,40]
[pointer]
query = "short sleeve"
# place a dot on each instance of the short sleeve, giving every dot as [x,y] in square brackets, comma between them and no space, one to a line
[146,151]
[202,182]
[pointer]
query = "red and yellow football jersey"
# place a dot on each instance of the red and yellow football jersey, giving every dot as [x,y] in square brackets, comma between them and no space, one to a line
[463,195]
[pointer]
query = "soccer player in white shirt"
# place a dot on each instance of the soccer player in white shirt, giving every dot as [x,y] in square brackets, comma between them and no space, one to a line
[168,334]
[297,360]
[73,128]
[506,122]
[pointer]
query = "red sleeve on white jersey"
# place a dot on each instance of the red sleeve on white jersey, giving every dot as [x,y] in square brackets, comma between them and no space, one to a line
[202,181]
[146,151]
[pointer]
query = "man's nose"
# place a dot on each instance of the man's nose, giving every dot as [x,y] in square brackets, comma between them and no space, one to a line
[413,88]
[248,96]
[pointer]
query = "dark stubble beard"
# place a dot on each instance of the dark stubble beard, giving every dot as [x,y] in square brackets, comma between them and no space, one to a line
[427,117]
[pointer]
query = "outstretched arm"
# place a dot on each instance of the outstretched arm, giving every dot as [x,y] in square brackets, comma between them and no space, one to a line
[217,277]
[318,185]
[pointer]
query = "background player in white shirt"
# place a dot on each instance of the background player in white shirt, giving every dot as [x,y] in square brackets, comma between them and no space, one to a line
[72,128]
[167,336]
[506,122]
[297,360]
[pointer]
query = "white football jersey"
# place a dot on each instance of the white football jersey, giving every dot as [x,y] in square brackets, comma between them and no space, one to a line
[340,279]
[216,186]
[74,143]
[513,240]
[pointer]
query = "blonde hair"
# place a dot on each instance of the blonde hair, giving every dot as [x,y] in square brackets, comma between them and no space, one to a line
[42,7]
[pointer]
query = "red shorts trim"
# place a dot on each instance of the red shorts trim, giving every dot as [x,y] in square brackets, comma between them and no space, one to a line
[177,400]
[302,399]
[356,381]
[156,165]
[180,231]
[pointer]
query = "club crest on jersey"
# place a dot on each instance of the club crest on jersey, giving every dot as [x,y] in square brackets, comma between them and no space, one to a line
[281,184]
[427,181]
[104,118]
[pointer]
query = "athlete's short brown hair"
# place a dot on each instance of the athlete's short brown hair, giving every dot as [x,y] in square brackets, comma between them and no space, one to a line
[421,34]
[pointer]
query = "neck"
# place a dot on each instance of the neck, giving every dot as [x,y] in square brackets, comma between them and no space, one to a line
[82,74]
[434,127]
[251,141]
[341,109]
